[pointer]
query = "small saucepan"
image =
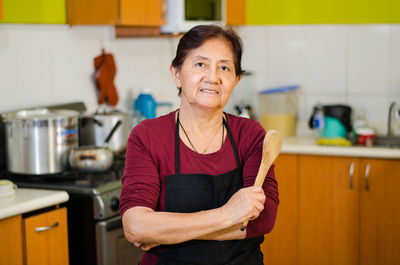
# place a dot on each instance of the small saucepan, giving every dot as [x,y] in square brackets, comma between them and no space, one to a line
[92,158]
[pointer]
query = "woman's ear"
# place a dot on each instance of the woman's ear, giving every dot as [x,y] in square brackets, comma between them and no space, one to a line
[175,75]
[238,77]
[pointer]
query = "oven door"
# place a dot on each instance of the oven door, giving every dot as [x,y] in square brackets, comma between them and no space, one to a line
[111,246]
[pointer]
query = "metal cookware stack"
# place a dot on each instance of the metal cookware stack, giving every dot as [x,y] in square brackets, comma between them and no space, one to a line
[38,141]
[93,129]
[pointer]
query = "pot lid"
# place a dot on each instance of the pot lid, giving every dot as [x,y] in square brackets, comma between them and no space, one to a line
[40,114]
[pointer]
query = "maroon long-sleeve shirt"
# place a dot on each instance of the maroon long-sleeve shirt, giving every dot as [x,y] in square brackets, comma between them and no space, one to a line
[150,157]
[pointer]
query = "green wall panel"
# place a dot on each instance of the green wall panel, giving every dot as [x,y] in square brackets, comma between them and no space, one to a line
[34,11]
[270,12]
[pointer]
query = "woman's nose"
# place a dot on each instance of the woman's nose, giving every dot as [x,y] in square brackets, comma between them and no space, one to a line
[212,75]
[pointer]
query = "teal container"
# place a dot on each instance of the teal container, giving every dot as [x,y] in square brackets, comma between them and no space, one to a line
[146,105]
[333,128]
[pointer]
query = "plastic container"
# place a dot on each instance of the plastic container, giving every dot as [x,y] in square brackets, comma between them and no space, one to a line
[145,104]
[278,109]
[7,188]
[365,136]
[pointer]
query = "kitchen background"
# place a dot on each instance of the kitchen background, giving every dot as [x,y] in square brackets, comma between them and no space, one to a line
[358,65]
[337,205]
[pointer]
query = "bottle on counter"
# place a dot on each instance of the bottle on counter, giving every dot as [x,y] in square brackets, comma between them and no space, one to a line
[319,120]
[145,105]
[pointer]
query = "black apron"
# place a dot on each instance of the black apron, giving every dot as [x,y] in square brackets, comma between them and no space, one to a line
[196,192]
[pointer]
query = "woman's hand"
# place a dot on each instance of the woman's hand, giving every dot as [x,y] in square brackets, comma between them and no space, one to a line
[245,204]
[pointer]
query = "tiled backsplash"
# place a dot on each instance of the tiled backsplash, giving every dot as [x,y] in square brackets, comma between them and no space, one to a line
[357,65]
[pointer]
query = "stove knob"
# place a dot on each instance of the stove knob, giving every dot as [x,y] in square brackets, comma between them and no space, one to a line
[115,204]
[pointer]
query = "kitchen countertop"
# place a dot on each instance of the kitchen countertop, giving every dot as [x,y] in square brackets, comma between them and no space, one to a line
[308,146]
[27,200]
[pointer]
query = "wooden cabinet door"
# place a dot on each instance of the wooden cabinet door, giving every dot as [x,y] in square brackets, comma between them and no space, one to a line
[142,12]
[11,241]
[328,210]
[86,12]
[380,212]
[235,12]
[49,246]
[279,246]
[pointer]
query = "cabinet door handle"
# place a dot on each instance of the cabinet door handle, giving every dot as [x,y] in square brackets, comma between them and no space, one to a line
[45,228]
[351,174]
[367,169]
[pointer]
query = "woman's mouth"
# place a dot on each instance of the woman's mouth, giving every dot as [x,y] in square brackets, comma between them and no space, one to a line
[209,90]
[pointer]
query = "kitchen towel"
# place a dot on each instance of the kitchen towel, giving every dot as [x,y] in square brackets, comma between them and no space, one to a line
[105,73]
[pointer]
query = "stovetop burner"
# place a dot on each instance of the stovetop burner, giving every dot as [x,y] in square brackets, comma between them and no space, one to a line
[93,183]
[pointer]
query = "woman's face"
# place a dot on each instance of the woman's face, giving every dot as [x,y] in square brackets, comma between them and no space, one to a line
[207,76]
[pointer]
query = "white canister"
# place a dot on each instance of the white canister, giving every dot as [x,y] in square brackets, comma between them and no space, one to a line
[7,188]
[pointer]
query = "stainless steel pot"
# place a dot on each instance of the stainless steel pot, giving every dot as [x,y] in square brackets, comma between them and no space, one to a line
[38,141]
[91,158]
[93,130]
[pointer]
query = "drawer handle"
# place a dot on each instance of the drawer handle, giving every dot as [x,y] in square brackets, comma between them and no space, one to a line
[351,173]
[45,228]
[367,168]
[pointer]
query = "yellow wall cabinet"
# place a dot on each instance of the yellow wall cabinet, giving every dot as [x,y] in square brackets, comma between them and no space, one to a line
[321,12]
[38,239]
[336,210]
[33,11]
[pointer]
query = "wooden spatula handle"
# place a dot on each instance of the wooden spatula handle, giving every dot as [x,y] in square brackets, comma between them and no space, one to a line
[262,173]
[271,148]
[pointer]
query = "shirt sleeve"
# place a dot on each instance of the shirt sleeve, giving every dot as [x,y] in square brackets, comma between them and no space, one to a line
[251,163]
[140,181]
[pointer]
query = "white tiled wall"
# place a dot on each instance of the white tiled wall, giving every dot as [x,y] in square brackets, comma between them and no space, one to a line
[46,64]
[357,65]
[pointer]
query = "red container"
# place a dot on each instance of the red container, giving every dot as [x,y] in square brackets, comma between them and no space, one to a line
[365,136]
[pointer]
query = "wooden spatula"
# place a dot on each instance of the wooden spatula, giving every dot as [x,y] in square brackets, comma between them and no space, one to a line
[272,146]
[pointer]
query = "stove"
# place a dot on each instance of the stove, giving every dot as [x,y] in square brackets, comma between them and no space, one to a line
[94,224]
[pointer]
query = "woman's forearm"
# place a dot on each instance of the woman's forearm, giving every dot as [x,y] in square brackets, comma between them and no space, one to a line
[230,233]
[144,225]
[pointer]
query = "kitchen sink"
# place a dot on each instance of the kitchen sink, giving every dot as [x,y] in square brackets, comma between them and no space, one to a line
[387,141]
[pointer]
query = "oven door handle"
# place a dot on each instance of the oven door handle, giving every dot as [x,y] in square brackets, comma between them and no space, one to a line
[114,224]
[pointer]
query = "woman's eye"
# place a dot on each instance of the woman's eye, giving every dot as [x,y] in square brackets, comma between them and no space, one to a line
[224,68]
[200,64]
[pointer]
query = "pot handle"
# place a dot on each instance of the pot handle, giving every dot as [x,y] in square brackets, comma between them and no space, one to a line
[112,132]
[87,157]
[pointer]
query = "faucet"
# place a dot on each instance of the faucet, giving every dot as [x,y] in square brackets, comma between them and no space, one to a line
[389,129]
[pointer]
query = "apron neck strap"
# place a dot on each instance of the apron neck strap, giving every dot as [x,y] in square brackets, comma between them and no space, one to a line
[177,155]
[235,150]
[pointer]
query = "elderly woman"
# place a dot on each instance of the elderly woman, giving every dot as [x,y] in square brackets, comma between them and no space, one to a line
[187,185]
